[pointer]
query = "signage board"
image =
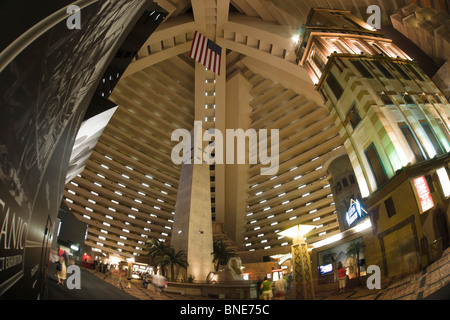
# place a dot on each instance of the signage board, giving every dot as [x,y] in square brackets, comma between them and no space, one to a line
[423,193]
[355,212]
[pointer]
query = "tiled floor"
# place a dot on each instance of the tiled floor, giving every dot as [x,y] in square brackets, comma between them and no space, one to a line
[414,287]
[136,289]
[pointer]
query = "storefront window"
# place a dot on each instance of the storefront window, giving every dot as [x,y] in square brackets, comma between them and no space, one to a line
[352,256]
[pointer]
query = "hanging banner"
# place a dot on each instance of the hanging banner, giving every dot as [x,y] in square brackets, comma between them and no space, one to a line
[13,234]
[423,193]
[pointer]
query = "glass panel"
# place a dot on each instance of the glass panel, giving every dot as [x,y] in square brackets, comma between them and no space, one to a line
[376,165]
[407,133]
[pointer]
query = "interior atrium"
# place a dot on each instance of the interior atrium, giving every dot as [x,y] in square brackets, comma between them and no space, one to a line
[360,113]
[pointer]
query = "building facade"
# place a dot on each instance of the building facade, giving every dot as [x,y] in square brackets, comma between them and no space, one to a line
[388,112]
[394,123]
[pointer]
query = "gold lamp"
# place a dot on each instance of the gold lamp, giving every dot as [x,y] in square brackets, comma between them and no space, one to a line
[297,232]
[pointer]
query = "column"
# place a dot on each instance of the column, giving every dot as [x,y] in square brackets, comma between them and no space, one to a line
[301,264]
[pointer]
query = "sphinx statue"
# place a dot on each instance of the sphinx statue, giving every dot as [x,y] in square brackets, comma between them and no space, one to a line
[232,272]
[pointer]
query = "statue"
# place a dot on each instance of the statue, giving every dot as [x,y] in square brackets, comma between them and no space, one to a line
[232,272]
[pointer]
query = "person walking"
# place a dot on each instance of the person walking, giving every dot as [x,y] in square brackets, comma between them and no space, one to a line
[280,288]
[266,287]
[61,269]
[342,277]
[159,283]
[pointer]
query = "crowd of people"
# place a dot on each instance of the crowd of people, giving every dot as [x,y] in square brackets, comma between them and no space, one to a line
[276,290]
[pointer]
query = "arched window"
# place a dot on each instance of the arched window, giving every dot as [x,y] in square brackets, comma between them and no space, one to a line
[345,182]
[352,179]
[338,186]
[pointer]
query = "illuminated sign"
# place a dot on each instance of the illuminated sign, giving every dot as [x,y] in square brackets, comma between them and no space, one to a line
[355,212]
[445,182]
[326,268]
[423,192]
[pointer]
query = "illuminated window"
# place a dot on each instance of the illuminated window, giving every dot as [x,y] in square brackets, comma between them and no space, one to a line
[375,164]
[318,60]
[412,142]
[432,137]
[444,180]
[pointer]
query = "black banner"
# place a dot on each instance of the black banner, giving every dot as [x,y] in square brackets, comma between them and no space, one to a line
[44,95]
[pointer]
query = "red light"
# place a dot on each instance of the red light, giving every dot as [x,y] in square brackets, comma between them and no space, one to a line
[423,192]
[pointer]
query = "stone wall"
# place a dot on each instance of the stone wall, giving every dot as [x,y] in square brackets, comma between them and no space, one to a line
[427,27]
[442,79]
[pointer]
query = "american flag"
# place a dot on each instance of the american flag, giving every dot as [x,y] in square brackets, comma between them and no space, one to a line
[206,52]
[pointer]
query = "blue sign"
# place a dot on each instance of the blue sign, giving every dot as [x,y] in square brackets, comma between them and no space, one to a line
[355,212]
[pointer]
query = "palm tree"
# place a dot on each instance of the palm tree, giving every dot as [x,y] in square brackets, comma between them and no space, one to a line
[157,249]
[330,256]
[353,250]
[174,259]
[221,253]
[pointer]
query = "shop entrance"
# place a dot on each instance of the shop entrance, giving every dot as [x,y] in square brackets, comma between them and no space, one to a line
[441,228]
